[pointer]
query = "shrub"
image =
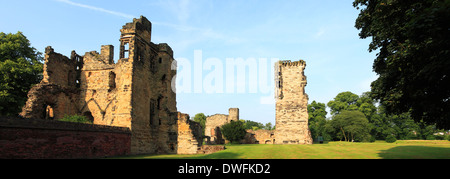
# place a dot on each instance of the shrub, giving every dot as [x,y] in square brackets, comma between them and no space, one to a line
[76,118]
[439,137]
[390,139]
[233,131]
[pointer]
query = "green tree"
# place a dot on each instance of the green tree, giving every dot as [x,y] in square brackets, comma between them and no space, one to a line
[201,118]
[366,105]
[343,101]
[233,131]
[269,126]
[20,68]
[351,125]
[248,124]
[402,126]
[413,60]
[317,120]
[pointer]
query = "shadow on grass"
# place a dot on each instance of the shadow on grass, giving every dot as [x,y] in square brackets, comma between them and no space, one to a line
[323,142]
[218,155]
[415,152]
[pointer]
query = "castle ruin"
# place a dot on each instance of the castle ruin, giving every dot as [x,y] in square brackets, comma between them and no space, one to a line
[135,92]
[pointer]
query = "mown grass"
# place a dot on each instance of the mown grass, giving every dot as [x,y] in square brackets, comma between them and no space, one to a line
[331,150]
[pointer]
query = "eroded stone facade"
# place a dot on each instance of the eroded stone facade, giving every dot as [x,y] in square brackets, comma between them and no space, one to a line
[136,92]
[291,104]
[189,135]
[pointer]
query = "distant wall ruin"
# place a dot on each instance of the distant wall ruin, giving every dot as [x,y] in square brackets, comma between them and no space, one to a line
[260,136]
[213,124]
[135,92]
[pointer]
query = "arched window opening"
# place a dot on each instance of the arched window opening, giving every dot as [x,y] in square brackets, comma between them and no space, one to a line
[48,112]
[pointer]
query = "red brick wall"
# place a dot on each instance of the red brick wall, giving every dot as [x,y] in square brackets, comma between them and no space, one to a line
[37,139]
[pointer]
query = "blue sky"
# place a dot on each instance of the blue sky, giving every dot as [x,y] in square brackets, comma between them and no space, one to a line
[321,32]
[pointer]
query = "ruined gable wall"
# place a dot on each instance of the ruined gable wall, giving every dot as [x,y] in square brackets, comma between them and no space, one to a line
[59,69]
[291,105]
[56,95]
[98,96]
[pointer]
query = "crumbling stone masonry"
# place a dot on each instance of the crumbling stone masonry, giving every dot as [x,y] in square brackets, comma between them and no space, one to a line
[189,135]
[291,104]
[135,92]
[260,136]
[213,124]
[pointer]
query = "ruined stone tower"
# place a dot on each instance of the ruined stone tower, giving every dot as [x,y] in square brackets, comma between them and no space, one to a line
[291,104]
[136,92]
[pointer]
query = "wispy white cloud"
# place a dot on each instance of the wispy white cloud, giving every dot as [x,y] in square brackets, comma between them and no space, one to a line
[97,9]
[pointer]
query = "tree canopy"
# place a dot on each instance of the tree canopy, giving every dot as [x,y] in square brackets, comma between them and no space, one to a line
[413,60]
[377,124]
[317,119]
[349,101]
[351,125]
[20,68]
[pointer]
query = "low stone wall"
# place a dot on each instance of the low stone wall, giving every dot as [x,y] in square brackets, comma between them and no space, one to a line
[261,136]
[209,149]
[42,139]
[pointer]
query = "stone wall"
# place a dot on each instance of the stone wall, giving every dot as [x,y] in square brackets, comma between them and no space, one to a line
[209,149]
[44,139]
[291,104]
[190,136]
[261,136]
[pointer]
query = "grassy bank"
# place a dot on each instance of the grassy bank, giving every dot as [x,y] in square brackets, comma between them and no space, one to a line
[434,149]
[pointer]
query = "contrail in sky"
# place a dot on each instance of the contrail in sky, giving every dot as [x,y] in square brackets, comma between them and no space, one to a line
[97,9]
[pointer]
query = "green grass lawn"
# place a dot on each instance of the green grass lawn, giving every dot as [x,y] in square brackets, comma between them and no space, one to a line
[434,149]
